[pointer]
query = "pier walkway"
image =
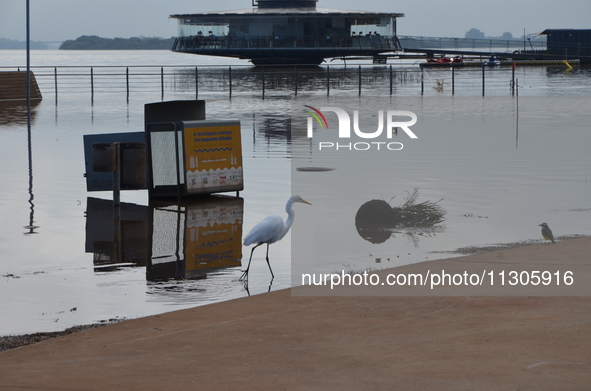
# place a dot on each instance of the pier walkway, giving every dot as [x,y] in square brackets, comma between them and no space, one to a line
[516,55]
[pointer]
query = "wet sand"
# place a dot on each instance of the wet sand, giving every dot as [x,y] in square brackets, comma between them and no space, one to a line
[287,340]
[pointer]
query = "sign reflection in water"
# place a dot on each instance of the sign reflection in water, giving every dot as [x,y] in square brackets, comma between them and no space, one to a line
[174,241]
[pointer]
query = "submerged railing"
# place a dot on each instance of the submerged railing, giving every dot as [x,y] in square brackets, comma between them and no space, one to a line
[199,82]
[471,44]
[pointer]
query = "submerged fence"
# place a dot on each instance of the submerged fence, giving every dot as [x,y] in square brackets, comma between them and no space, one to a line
[201,82]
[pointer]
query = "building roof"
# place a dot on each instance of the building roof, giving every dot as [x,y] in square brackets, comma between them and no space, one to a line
[291,11]
[547,31]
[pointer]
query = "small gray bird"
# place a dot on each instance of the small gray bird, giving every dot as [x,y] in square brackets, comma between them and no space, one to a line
[547,232]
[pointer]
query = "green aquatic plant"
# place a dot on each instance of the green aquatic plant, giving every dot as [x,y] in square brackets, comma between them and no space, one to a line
[413,214]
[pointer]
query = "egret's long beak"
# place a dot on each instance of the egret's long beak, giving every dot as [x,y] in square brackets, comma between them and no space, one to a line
[306,202]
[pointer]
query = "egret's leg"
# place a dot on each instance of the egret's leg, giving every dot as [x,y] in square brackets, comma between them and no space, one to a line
[245,274]
[272,275]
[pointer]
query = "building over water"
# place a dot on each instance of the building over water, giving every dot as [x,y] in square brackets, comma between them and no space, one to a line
[569,43]
[287,32]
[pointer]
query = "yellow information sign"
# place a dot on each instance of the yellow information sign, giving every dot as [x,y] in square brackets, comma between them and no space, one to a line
[213,156]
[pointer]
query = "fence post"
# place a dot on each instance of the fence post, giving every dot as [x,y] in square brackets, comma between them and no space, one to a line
[196,83]
[483,66]
[390,79]
[359,72]
[453,79]
[55,78]
[230,81]
[127,82]
[162,83]
[327,80]
[117,176]
[513,80]
[91,85]
[422,82]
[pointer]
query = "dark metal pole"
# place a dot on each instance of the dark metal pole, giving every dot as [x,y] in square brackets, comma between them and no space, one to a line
[513,80]
[359,72]
[177,155]
[453,79]
[327,80]
[28,83]
[30,226]
[91,85]
[162,83]
[196,83]
[55,78]
[422,82]
[127,82]
[483,66]
[230,80]
[390,79]
[517,120]
[117,176]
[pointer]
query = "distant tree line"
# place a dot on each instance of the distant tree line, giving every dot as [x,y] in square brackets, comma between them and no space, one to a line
[93,42]
[8,44]
[474,33]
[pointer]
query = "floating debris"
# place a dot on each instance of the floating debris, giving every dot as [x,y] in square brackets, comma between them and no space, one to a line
[315,169]
[376,220]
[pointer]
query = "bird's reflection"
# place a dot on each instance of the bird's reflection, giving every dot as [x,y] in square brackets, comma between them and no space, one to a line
[244,281]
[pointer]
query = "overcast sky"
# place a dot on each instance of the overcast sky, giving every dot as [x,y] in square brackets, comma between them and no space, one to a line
[58,20]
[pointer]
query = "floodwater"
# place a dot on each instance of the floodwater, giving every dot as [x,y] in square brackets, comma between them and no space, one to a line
[68,257]
[495,169]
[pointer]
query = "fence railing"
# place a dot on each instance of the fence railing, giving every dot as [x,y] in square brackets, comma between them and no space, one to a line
[197,82]
[419,42]
[188,43]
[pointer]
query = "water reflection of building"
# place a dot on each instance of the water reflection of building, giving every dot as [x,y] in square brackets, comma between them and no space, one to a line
[287,32]
[15,112]
[173,241]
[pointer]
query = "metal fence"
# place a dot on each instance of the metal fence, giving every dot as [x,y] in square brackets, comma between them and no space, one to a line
[188,82]
[420,42]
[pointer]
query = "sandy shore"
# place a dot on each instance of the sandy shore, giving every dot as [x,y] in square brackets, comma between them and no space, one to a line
[358,340]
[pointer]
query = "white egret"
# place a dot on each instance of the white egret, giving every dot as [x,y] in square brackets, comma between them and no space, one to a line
[547,232]
[271,230]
